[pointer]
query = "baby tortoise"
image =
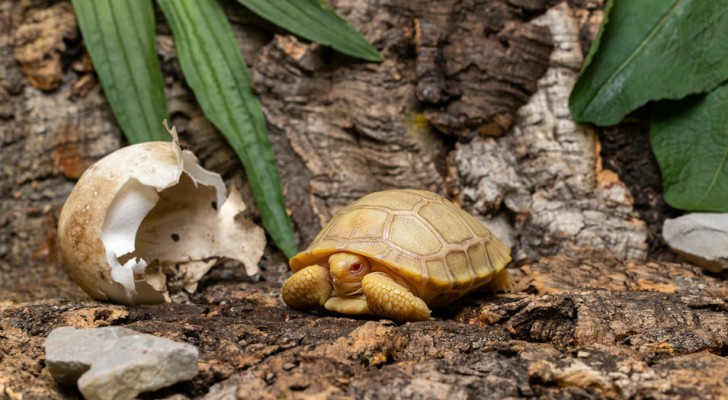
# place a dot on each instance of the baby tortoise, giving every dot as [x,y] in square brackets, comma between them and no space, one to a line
[395,254]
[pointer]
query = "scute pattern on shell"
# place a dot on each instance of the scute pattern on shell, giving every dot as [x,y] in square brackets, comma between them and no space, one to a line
[418,235]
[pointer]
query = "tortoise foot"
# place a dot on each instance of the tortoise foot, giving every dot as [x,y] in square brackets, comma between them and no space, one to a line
[502,282]
[308,288]
[389,299]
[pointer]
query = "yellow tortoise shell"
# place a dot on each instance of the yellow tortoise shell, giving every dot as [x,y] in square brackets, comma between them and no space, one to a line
[443,252]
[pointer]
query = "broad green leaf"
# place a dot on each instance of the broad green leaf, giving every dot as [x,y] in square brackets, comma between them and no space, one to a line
[690,140]
[315,21]
[119,37]
[651,50]
[214,69]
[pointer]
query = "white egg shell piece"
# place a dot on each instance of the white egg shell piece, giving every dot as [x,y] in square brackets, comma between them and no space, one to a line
[146,212]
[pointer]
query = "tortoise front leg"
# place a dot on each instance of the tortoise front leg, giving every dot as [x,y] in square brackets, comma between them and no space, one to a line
[308,288]
[389,299]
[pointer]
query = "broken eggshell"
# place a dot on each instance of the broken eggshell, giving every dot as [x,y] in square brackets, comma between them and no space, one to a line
[148,214]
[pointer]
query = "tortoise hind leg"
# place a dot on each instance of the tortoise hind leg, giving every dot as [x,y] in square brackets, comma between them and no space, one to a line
[503,282]
[389,299]
[308,288]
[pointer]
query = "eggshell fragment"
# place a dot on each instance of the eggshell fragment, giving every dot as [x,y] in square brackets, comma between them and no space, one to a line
[147,214]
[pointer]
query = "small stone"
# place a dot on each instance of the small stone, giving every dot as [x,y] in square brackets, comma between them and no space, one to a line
[116,362]
[70,352]
[701,238]
[269,377]
[287,366]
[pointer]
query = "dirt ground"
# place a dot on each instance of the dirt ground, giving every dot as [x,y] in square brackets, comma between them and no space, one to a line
[588,327]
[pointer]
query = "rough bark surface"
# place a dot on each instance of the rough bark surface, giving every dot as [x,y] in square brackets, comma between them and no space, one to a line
[462,66]
[547,173]
[582,323]
[477,62]
[626,150]
[48,139]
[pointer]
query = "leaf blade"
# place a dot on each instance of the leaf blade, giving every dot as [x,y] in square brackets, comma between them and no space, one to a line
[690,141]
[652,50]
[315,21]
[120,39]
[214,69]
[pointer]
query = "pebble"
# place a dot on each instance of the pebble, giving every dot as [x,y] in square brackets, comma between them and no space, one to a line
[116,362]
[701,238]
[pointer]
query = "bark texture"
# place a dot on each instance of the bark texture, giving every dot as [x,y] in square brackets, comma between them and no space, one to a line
[582,322]
[48,139]
[464,67]
[477,62]
[547,172]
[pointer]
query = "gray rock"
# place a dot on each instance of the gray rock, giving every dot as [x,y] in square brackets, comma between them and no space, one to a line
[116,362]
[701,238]
[70,352]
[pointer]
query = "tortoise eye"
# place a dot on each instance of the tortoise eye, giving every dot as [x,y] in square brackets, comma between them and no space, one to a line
[356,268]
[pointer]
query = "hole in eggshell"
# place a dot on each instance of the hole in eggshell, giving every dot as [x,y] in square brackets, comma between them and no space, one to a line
[181,213]
[145,262]
[146,265]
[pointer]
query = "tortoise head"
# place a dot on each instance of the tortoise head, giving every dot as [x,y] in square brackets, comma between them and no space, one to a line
[347,271]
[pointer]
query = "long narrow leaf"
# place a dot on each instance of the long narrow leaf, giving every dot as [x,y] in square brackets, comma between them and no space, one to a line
[214,69]
[119,37]
[315,21]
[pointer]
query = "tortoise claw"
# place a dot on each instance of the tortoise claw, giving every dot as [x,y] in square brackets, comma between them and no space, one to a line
[308,288]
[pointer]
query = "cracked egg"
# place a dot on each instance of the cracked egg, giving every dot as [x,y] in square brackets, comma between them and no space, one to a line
[148,218]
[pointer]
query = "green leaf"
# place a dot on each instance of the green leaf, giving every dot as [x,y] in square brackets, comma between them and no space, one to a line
[119,37]
[214,69]
[690,140]
[651,50]
[315,21]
